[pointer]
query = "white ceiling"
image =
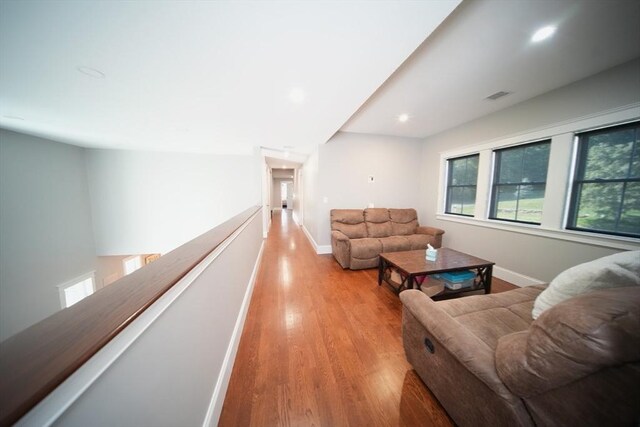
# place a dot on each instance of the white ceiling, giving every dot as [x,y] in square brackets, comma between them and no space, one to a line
[282,173]
[483,47]
[282,163]
[200,76]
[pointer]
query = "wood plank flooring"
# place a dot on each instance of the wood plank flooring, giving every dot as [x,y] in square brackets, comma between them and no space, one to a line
[322,346]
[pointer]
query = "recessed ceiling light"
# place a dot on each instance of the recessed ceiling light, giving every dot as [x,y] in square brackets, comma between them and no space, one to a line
[297,95]
[91,72]
[284,166]
[403,117]
[543,33]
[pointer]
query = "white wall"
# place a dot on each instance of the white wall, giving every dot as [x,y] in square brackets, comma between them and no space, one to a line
[541,258]
[298,200]
[109,268]
[46,237]
[276,192]
[346,162]
[310,191]
[147,202]
[172,365]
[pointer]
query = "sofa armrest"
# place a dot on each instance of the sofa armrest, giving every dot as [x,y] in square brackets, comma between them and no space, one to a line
[341,248]
[475,355]
[432,231]
[338,235]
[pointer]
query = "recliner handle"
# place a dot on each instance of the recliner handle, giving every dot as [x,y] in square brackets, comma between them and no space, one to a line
[429,345]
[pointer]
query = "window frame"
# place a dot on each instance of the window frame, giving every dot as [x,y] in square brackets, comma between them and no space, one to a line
[449,186]
[579,172]
[497,160]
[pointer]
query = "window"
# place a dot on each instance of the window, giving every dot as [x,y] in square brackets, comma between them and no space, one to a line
[76,290]
[131,264]
[605,196]
[519,182]
[462,177]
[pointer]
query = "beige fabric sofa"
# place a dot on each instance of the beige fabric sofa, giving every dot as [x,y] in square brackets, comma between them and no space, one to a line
[359,236]
[490,364]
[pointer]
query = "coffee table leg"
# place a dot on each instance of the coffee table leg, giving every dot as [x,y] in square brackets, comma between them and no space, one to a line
[380,270]
[406,284]
[485,274]
[489,275]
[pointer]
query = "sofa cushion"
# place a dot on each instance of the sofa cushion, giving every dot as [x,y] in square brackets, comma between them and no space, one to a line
[572,340]
[490,317]
[378,223]
[621,269]
[403,221]
[365,248]
[350,222]
[395,243]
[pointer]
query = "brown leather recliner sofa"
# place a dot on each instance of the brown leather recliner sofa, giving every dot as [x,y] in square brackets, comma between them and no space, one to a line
[490,364]
[359,236]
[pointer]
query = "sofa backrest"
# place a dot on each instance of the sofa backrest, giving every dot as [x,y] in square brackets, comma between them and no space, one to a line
[374,222]
[404,222]
[378,222]
[350,222]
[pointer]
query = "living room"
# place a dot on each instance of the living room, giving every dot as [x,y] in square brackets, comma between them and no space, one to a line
[352,159]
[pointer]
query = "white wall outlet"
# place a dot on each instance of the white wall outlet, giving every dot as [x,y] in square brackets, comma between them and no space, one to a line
[370,206]
[325,199]
[370,179]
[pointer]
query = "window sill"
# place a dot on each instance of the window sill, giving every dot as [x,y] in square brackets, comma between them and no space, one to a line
[615,242]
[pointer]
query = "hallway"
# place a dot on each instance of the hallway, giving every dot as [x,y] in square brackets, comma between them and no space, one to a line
[322,346]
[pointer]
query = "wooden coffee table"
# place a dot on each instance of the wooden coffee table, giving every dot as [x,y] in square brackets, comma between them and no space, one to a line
[413,264]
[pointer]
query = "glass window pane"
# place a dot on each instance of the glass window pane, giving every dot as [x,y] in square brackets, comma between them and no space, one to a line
[530,204]
[469,200]
[536,162]
[598,206]
[635,162]
[463,174]
[506,201]
[630,218]
[510,166]
[471,174]
[458,172]
[519,166]
[609,154]
[455,200]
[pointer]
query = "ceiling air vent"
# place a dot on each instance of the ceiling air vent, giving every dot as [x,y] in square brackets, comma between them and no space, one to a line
[497,95]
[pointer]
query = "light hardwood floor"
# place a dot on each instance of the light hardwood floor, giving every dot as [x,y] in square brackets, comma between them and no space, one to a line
[322,346]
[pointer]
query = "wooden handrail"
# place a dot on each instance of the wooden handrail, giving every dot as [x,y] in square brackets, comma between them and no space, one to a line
[34,362]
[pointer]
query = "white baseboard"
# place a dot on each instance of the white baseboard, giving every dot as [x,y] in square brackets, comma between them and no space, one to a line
[220,390]
[323,249]
[515,278]
[310,238]
[320,249]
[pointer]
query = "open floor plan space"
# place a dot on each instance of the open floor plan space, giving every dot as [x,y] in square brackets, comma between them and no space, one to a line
[323,346]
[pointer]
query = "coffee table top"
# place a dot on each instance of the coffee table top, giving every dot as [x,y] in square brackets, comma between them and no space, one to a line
[415,262]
